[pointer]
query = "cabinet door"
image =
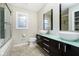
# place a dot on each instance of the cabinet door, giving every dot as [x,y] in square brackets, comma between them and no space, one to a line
[68,50]
[62,49]
[54,48]
[72,51]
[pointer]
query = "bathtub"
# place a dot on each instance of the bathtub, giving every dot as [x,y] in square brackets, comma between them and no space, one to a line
[5,48]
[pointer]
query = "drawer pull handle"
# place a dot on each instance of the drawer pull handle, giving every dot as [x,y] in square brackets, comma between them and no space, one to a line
[46,50]
[59,46]
[65,48]
[46,45]
[46,39]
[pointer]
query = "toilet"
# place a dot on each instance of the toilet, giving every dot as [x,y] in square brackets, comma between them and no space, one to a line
[32,42]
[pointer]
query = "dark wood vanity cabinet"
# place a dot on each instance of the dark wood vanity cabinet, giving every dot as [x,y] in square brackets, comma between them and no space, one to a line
[50,46]
[56,48]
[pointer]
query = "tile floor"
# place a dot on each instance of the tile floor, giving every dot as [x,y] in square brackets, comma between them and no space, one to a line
[26,50]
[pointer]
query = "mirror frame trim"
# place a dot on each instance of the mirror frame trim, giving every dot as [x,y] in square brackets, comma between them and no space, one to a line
[60,17]
[51,19]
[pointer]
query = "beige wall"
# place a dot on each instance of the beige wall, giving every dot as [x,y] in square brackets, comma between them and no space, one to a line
[32,25]
[48,7]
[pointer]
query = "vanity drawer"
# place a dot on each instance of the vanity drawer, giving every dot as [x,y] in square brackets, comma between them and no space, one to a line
[46,45]
[46,41]
[46,50]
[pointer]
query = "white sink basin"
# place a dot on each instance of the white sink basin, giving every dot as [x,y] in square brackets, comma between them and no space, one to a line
[70,36]
[43,31]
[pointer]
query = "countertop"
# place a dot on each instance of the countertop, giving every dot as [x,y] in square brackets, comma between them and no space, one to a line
[57,38]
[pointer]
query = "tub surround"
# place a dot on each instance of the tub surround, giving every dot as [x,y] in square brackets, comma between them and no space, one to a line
[4,51]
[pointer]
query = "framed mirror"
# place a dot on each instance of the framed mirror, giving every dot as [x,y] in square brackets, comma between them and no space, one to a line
[69,17]
[48,20]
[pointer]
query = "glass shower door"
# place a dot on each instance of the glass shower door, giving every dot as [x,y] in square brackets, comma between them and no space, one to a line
[2,35]
[7,31]
[5,26]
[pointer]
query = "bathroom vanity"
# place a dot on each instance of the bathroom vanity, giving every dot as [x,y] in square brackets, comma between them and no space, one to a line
[67,43]
[54,46]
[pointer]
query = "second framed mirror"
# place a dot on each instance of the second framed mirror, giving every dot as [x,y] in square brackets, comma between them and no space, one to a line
[69,17]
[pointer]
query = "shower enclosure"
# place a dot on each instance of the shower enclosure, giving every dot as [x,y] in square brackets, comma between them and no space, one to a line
[5,26]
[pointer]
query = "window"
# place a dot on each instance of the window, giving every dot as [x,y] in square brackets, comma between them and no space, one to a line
[21,21]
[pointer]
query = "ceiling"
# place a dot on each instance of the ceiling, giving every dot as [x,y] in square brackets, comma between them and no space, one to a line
[38,6]
[30,6]
[64,6]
